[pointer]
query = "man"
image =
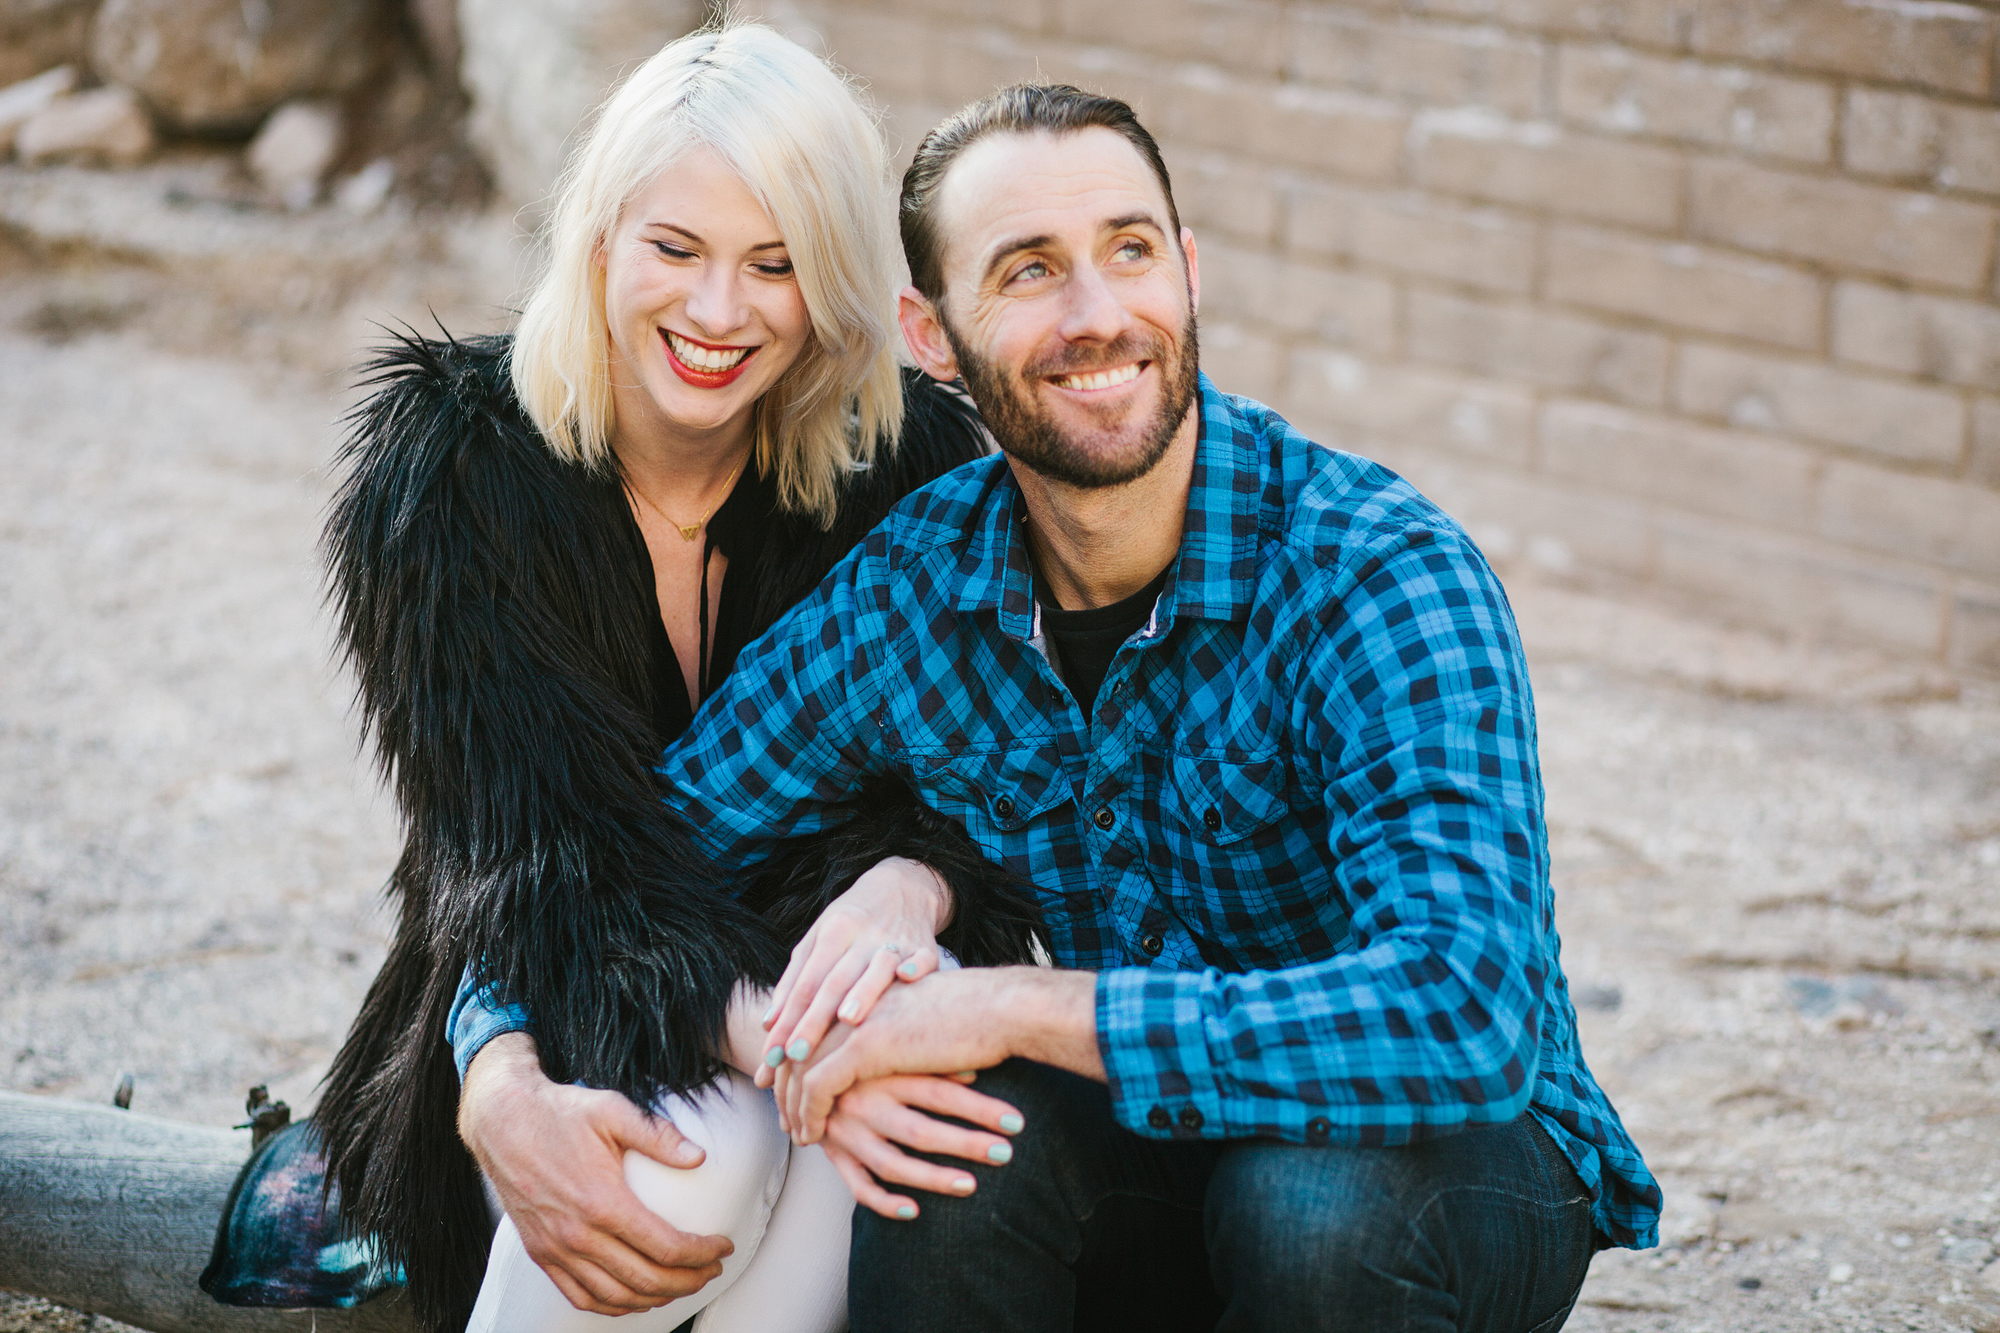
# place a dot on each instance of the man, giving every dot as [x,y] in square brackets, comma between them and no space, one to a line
[1252,716]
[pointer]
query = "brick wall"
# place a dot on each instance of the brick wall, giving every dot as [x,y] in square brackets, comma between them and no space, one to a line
[1693,293]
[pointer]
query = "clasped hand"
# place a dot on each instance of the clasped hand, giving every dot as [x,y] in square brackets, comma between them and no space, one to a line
[863,1106]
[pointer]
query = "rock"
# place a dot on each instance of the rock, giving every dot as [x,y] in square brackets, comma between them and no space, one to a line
[220,66]
[106,125]
[1969,1252]
[533,68]
[1989,1277]
[367,189]
[296,148]
[37,34]
[1841,1273]
[20,101]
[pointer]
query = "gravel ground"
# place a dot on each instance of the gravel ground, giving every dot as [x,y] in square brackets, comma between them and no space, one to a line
[1775,865]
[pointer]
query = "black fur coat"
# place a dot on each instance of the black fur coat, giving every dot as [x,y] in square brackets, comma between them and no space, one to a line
[493,602]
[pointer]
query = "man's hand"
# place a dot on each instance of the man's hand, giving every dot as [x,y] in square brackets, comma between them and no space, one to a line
[951,1021]
[882,930]
[872,1118]
[556,1155]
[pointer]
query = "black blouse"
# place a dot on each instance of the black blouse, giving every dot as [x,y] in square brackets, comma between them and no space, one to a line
[738,529]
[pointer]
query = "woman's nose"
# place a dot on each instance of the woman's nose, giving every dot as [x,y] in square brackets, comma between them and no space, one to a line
[716,304]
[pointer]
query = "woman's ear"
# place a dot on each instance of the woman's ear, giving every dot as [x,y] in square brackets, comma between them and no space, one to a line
[923,334]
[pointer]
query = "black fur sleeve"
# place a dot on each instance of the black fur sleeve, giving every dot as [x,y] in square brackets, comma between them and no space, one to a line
[485,599]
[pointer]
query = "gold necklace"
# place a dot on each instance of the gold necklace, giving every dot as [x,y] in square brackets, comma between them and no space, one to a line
[689,531]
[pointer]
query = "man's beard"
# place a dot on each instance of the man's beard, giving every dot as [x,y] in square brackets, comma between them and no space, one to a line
[1029,436]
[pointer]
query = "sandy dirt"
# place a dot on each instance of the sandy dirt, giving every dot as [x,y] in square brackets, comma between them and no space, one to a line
[1775,865]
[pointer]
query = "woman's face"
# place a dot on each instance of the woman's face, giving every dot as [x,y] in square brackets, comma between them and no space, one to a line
[704,311]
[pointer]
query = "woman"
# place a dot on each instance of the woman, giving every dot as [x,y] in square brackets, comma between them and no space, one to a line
[546,552]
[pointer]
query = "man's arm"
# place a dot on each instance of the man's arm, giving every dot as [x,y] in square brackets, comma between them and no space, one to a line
[1418,725]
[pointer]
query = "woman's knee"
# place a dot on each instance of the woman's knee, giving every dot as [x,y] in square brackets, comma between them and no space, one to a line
[737,1184]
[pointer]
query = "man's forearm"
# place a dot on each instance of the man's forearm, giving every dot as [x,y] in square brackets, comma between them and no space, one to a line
[1050,1016]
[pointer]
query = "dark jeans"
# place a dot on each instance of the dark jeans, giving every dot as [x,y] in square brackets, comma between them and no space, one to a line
[1094,1228]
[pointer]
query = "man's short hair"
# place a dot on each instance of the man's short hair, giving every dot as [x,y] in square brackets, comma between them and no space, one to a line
[1024,108]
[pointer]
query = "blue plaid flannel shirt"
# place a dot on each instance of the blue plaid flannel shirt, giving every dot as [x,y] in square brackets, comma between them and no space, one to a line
[1301,839]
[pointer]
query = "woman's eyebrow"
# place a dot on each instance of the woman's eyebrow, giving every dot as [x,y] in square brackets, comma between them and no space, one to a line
[683,231]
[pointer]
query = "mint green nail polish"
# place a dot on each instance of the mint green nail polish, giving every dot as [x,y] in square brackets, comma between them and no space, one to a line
[907,1211]
[1000,1153]
[965,1184]
[799,1049]
[1012,1124]
[775,1056]
[769,1014]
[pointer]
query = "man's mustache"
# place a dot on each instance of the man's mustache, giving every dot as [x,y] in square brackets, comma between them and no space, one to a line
[1126,347]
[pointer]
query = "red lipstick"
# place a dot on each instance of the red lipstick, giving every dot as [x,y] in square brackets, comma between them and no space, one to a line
[705,379]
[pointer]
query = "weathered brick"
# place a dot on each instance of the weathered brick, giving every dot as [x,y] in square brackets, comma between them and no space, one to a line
[1222,195]
[1342,133]
[1801,584]
[1951,523]
[1239,34]
[1558,351]
[897,56]
[1984,464]
[1620,91]
[1297,296]
[1684,285]
[1921,139]
[1928,42]
[1932,336]
[1429,62]
[1678,463]
[1024,16]
[972,62]
[1477,247]
[1537,165]
[1975,629]
[1374,399]
[1655,23]
[1239,360]
[1817,401]
[1841,223]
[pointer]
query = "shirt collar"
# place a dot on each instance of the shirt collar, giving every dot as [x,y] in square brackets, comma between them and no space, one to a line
[1215,572]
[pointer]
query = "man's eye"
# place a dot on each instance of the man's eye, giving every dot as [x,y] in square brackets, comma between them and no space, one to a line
[1133,250]
[1031,271]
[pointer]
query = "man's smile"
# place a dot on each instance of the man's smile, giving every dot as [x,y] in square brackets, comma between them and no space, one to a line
[1090,381]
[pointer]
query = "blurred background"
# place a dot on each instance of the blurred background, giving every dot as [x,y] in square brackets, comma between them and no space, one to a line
[1686,307]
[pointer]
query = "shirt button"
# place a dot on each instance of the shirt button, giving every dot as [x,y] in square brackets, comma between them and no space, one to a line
[1190,1119]
[1318,1129]
[1004,807]
[1151,945]
[1212,820]
[1104,818]
[1159,1119]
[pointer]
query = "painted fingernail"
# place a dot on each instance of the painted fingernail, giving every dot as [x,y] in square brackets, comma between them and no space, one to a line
[769,1014]
[1012,1124]
[1000,1153]
[799,1049]
[774,1057]
[965,1184]
[908,968]
[906,1211]
[849,1010]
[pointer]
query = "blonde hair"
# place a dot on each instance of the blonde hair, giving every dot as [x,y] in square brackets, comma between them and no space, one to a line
[797,135]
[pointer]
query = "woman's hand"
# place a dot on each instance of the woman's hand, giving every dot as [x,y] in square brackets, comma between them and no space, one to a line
[556,1157]
[882,930]
[872,1118]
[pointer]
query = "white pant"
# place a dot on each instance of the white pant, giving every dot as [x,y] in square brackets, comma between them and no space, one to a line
[786,1208]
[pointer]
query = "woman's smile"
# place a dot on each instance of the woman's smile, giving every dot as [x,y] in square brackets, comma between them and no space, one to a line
[705,365]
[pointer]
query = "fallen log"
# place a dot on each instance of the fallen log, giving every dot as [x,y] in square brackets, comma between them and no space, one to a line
[115,1213]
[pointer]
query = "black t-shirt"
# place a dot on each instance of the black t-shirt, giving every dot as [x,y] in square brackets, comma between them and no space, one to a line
[1082,643]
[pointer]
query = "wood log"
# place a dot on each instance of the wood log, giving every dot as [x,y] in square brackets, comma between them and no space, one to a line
[115,1213]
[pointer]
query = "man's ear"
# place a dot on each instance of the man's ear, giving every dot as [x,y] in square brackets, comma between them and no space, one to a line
[1193,269]
[923,333]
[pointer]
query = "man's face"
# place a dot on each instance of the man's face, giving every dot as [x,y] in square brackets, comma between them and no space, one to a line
[1069,302]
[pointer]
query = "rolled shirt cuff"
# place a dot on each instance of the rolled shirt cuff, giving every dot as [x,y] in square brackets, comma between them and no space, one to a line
[478,1015]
